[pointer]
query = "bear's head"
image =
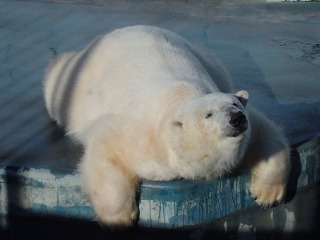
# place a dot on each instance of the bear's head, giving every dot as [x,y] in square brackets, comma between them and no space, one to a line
[210,134]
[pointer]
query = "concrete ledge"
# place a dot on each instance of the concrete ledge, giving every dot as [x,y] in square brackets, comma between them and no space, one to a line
[31,191]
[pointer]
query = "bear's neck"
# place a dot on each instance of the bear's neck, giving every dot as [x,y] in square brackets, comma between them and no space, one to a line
[165,126]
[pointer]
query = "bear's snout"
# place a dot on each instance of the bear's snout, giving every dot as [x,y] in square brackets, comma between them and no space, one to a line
[239,121]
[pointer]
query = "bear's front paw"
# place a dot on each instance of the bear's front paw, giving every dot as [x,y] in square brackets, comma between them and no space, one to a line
[267,194]
[125,219]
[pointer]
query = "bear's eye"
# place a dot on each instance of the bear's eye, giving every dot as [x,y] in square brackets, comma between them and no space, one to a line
[234,104]
[209,115]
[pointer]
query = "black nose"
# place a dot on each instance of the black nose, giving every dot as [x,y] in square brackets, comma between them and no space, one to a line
[237,119]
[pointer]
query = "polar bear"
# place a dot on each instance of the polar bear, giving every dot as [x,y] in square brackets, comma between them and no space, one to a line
[146,104]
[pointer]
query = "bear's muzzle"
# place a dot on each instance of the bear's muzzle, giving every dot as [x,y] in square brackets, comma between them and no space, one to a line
[239,122]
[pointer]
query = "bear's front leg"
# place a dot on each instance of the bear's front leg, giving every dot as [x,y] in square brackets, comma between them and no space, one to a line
[111,189]
[108,180]
[268,158]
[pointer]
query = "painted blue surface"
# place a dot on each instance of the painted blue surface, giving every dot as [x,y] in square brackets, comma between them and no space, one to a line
[271,50]
[182,203]
[31,191]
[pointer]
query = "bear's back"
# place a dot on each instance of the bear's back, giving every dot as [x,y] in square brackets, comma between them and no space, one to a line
[127,71]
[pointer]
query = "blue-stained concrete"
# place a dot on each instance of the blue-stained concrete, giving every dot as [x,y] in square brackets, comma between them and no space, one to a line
[272,50]
[44,192]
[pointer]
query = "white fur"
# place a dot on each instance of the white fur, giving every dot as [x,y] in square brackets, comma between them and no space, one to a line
[146,104]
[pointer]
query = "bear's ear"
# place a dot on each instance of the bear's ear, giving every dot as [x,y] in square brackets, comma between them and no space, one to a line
[177,124]
[243,97]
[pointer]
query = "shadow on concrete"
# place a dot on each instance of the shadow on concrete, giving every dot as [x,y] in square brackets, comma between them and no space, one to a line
[61,228]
